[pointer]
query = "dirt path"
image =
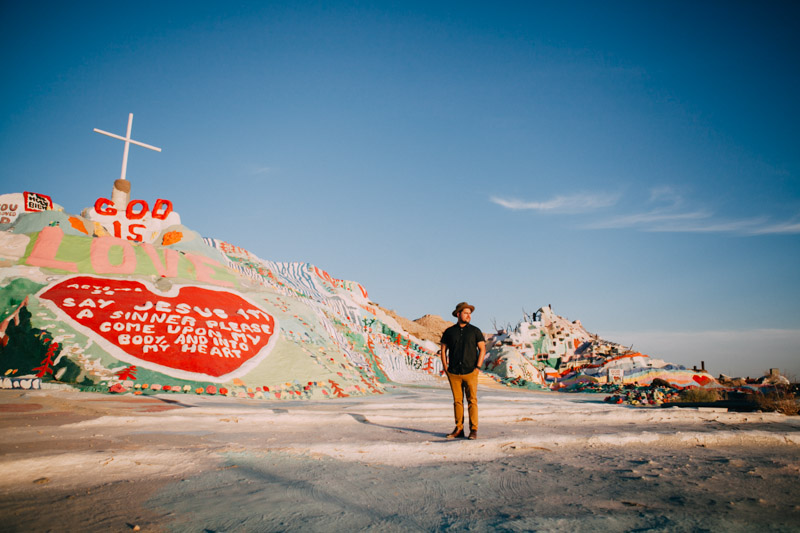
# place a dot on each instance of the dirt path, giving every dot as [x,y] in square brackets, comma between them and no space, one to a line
[545,461]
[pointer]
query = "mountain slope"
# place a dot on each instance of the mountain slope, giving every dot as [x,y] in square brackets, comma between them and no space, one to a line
[184,313]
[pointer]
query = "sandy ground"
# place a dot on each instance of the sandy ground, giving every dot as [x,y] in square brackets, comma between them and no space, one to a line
[544,462]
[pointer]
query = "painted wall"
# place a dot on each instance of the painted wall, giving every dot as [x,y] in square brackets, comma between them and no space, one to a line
[137,221]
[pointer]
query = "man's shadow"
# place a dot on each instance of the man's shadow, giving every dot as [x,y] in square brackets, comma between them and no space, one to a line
[363,419]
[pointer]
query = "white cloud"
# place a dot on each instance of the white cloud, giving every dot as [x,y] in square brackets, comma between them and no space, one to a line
[696,222]
[561,204]
[261,171]
[690,222]
[667,213]
[667,194]
[781,228]
[714,226]
[651,219]
[675,218]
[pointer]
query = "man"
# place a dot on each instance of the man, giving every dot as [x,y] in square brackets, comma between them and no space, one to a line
[463,350]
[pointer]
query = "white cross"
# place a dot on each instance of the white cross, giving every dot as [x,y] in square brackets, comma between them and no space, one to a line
[128,142]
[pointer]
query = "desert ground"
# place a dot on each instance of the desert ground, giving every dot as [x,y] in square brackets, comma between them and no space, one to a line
[543,462]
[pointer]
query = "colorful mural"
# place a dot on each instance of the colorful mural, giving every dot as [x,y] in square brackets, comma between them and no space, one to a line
[175,333]
[547,350]
[91,305]
[12,205]
[135,220]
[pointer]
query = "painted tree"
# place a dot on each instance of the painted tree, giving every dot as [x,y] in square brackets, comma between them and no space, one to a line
[369,385]
[127,373]
[337,390]
[46,366]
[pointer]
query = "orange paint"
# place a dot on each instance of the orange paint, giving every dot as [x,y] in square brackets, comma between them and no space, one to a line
[171,237]
[78,225]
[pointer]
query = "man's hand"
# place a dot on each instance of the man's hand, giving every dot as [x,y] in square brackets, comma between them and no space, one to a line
[481,353]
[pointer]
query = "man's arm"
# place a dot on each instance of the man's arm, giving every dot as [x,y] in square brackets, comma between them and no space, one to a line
[443,355]
[481,353]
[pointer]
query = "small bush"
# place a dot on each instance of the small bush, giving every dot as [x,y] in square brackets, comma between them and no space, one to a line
[699,395]
[778,401]
[658,382]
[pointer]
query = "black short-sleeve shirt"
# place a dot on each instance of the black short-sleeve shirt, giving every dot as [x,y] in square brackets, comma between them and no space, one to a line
[462,348]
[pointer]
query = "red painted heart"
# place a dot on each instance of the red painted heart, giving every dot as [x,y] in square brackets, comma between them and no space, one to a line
[702,380]
[193,332]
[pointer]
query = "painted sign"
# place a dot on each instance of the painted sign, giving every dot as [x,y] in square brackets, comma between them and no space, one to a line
[189,332]
[136,258]
[11,205]
[37,202]
[135,221]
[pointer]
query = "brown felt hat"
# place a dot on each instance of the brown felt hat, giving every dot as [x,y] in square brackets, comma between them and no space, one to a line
[460,307]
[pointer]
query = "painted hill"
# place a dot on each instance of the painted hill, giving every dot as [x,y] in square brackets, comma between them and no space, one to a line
[167,310]
[123,298]
[548,350]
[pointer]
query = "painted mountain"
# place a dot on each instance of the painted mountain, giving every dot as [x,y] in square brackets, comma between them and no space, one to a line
[545,349]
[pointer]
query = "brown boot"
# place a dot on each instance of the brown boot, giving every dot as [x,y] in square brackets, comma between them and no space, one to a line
[473,434]
[457,433]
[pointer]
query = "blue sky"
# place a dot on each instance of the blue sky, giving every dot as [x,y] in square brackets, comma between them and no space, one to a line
[636,165]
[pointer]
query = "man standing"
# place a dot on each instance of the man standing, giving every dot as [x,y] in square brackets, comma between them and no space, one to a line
[463,350]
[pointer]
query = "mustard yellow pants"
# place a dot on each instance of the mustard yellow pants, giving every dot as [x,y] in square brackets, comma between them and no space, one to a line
[458,384]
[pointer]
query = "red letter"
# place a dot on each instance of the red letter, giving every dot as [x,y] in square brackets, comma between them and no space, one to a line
[167,209]
[100,207]
[130,215]
[136,236]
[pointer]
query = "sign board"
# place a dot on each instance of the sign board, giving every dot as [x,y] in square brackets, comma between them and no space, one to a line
[11,205]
